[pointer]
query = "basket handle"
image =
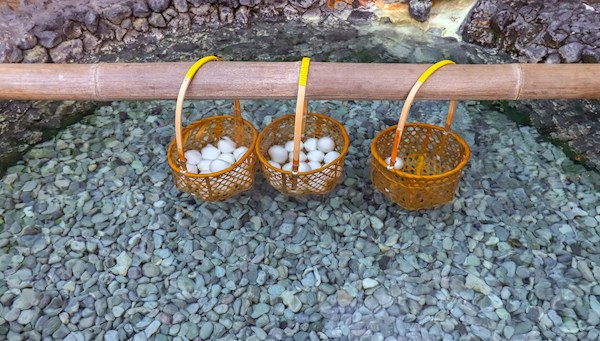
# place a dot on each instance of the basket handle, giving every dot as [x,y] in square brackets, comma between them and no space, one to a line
[408,104]
[237,112]
[301,110]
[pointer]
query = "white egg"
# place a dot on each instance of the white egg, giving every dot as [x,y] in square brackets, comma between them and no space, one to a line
[193,156]
[239,152]
[191,168]
[316,155]
[275,164]
[325,144]
[304,167]
[289,146]
[218,165]
[399,162]
[210,152]
[278,154]
[329,157]
[227,157]
[315,165]
[226,146]
[310,144]
[287,167]
[204,166]
[302,157]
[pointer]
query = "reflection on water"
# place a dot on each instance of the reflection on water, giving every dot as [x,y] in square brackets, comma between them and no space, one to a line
[445,18]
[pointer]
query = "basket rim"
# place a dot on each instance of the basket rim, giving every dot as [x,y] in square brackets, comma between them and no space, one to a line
[454,170]
[173,143]
[263,160]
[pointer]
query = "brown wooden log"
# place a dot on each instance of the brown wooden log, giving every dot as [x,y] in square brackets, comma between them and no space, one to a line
[278,80]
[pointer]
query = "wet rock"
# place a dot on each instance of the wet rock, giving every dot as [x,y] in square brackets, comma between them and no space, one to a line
[419,9]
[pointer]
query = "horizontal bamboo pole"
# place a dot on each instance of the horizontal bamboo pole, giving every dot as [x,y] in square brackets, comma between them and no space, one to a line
[278,80]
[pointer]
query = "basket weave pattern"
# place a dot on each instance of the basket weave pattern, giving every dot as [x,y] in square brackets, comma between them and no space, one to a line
[224,184]
[429,176]
[315,182]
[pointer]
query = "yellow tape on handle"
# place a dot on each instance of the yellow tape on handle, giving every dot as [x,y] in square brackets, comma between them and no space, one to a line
[304,71]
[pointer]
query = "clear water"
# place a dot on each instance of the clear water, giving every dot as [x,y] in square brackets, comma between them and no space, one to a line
[97,242]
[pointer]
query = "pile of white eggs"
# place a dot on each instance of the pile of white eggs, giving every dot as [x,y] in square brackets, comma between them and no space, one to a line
[314,154]
[211,159]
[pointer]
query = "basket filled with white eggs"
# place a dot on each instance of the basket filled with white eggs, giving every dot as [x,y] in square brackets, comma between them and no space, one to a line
[320,162]
[213,158]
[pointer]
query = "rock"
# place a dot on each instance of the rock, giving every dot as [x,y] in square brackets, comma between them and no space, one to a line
[419,9]
[291,301]
[69,50]
[37,54]
[369,283]
[590,56]
[152,328]
[91,20]
[250,3]
[157,20]
[26,317]
[301,3]
[158,6]
[344,299]
[477,284]
[225,14]
[111,335]
[140,9]
[9,52]
[27,42]
[123,264]
[181,5]
[259,310]
[150,270]
[206,330]
[117,13]
[49,39]
[571,52]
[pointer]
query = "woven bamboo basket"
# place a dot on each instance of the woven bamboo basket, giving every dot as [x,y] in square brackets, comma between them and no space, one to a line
[298,127]
[219,185]
[433,158]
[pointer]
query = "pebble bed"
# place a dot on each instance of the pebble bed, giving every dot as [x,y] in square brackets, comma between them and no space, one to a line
[97,243]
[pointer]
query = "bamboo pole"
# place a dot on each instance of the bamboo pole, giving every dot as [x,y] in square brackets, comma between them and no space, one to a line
[278,80]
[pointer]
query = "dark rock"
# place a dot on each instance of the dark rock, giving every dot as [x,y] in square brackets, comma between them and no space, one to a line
[91,21]
[140,9]
[49,39]
[116,13]
[419,9]
[158,5]
[72,30]
[534,54]
[181,5]
[360,16]
[502,19]
[229,3]
[157,20]
[242,15]
[591,55]
[9,52]
[104,31]
[28,41]
[250,3]
[68,50]
[90,42]
[37,54]
[571,53]
[554,39]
